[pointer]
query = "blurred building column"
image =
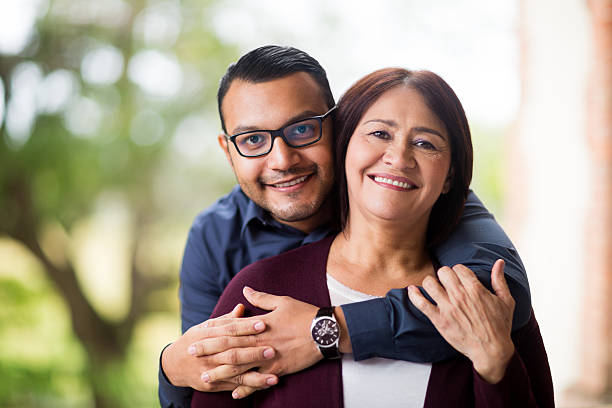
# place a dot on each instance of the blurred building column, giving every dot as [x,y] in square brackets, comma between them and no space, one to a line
[596,367]
[549,176]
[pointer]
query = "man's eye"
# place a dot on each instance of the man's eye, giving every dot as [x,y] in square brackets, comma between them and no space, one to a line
[252,140]
[301,131]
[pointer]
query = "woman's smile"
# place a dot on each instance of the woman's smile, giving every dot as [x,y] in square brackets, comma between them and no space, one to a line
[393,182]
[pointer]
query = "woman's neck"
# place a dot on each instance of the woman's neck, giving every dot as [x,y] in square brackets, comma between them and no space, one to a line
[374,257]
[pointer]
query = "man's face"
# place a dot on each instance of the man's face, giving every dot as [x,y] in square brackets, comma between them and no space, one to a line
[290,183]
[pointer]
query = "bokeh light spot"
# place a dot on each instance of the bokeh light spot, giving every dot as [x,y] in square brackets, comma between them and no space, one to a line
[158,74]
[56,91]
[102,65]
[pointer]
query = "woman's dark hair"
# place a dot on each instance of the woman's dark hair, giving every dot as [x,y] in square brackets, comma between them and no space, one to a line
[273,62]
[443,102]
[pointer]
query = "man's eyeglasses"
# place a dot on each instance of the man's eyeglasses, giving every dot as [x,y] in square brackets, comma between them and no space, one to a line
[303,132]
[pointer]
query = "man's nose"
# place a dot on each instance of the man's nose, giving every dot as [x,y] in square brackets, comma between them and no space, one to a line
[282,156]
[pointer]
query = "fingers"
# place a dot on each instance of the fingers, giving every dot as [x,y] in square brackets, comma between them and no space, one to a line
[214,387]
[257,382]
[435,290]
[237,312]
[226,372]
[499,284]
[241,356]
[261,300]
[238,327]
[243,391]
[215,345]
[451,282]
[421,303]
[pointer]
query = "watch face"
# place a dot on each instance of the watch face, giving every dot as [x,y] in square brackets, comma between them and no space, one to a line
[325,332]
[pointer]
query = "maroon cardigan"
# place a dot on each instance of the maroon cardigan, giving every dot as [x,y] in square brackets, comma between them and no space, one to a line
[301,274]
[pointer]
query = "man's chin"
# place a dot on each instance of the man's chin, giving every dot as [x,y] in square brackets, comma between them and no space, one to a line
[294,213]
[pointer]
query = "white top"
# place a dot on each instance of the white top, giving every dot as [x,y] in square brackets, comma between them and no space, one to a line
[378,382]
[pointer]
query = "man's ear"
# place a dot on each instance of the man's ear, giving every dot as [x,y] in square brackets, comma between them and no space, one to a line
[448,183]
[224,145]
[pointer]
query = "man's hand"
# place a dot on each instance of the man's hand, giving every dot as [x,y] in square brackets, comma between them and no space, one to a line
[231,354]
[287,332]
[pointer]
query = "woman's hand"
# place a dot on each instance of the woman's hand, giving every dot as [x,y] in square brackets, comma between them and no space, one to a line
[473,320]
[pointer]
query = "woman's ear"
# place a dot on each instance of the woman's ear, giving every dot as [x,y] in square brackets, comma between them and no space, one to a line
[448,183]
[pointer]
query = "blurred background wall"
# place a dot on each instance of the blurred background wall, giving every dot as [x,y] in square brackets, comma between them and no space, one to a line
[107,152]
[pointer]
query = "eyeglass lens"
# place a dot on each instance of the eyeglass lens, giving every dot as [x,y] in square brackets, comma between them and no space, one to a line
[296,135]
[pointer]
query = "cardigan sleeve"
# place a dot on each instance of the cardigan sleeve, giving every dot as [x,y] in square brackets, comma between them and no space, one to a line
[527,381]
[228,300]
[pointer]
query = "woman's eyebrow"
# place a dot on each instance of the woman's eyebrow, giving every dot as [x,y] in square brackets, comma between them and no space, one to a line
[424,129]
[388,122]
[418,129]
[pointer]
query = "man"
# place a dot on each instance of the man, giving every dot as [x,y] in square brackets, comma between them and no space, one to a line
[275,107]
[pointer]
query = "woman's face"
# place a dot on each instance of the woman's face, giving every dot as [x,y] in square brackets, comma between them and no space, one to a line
[398,159]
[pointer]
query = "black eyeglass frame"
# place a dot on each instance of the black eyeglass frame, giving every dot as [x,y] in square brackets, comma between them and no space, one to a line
[280,133]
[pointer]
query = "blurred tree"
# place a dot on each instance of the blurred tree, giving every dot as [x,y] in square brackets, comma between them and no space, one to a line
[91,104]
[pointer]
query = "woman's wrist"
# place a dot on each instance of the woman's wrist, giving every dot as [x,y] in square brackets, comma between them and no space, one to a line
[493,368]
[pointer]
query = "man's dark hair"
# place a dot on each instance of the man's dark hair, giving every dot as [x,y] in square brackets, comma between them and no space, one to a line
[273,62]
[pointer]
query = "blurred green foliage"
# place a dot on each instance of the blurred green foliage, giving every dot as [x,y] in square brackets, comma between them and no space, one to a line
[111,136]
[107,151]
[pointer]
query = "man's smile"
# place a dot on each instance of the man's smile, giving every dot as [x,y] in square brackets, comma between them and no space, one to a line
[289,184]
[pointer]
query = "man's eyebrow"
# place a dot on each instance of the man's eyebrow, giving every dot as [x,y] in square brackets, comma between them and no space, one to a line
[302,115]
[418,129]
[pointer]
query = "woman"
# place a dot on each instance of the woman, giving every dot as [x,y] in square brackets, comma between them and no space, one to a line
[404,158]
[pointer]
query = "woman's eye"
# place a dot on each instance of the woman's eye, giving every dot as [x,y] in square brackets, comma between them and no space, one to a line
[424,144]
[381,134]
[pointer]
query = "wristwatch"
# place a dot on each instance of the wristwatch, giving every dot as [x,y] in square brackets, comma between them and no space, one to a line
[325,332]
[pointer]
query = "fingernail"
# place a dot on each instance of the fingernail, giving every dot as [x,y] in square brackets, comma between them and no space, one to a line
[191,350]
[205,377]
[268,353]
[235,395]
[248,290]
[259,326]
[271,380]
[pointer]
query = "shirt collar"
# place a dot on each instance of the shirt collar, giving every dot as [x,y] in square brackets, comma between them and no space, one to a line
[253,212]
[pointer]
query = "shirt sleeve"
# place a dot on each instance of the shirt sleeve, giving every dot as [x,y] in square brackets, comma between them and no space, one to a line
[391,327]
[199,292]
[169,395]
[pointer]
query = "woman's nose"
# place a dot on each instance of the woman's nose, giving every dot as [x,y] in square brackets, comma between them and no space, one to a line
[400,157]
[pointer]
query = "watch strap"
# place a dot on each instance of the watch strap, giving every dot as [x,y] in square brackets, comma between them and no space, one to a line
[326,311]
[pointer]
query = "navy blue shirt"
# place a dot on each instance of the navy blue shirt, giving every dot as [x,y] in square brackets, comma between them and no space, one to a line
[235,232]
